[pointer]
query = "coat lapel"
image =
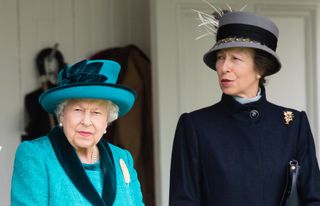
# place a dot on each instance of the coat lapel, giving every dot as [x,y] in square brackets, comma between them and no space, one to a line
[75,171]
[109,172]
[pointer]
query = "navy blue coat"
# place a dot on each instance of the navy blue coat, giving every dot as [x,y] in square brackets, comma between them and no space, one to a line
[231,154]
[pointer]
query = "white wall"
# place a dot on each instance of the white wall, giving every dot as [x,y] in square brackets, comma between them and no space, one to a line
[81,28]
[10,96]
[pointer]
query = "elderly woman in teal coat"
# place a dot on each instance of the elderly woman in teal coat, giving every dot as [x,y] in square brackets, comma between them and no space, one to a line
[73,165]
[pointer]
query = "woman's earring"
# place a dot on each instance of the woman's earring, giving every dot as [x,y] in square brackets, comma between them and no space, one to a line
[60,124]
[259,76]
[105,131]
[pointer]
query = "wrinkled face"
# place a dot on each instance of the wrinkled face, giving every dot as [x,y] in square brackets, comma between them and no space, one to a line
[84,122]
[236,72]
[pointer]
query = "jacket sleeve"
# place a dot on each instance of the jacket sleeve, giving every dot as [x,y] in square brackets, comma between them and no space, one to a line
[184,175]
[29,181]
[309,178]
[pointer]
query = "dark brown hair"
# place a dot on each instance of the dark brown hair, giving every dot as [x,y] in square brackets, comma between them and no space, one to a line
[264,64]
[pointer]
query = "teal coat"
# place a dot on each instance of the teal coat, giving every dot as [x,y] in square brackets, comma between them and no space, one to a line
[44,174]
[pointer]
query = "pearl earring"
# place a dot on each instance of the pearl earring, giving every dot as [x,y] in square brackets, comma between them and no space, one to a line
[105,132]
[60,124]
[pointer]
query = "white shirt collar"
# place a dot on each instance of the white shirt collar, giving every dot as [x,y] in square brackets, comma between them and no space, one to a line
[243,100]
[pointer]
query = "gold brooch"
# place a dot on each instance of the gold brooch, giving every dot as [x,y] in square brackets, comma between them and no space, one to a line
[288,116]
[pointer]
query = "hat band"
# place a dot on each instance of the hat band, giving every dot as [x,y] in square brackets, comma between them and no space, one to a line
[243,31]
[233,39]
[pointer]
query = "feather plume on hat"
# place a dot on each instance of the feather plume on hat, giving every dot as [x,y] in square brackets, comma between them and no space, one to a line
[238,29]
[209,23]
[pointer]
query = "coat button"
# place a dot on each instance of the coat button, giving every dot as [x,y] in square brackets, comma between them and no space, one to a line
[254,114]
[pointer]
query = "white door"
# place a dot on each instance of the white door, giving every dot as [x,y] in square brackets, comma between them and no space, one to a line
[183,83]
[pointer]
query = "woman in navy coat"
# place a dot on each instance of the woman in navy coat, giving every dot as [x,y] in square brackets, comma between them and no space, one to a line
[236,152]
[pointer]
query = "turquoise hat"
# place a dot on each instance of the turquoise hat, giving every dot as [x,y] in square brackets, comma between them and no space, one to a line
[89,79]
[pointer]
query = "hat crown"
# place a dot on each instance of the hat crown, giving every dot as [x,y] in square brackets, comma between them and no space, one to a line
[246,18]
[90,79]
[90,71]
[250,26]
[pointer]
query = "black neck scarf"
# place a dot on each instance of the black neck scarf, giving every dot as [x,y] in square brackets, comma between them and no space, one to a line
[71,164]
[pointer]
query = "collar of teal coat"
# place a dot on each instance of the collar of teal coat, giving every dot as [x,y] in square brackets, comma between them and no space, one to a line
[72,165]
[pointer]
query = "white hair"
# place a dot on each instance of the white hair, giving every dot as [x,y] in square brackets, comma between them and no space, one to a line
[113,110]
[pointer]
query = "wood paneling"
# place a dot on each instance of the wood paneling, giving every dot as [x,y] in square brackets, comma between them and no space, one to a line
[9,90]
[81,28]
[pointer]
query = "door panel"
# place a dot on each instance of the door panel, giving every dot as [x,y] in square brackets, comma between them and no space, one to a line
[183,83]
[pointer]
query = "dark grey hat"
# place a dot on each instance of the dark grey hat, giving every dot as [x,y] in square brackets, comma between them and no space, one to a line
[242,29]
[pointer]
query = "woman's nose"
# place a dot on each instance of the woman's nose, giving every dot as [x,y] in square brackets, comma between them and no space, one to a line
[225,66]
[86,120]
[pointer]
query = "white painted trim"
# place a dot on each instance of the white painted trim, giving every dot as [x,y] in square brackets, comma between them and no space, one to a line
[308,13]
[168,66]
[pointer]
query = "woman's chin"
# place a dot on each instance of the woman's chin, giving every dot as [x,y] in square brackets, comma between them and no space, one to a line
[83,144]
[228,91]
